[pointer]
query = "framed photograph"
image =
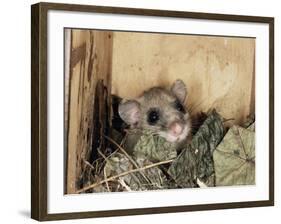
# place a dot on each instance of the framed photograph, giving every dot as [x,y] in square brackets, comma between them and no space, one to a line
[140,111]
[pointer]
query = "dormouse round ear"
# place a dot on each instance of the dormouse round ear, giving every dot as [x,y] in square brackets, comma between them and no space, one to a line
[179,89]
[129,111]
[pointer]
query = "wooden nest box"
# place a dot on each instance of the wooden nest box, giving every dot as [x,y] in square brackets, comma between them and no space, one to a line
[218,71]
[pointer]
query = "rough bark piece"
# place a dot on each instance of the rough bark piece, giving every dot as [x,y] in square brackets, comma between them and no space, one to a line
[90,63]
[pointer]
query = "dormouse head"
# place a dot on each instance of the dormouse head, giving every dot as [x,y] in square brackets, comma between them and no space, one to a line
[161,111]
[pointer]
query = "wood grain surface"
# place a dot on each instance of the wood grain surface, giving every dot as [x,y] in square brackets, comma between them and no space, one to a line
[218,71]
[90,61]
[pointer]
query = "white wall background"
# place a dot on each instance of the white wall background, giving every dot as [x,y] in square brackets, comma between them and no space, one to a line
[15,111]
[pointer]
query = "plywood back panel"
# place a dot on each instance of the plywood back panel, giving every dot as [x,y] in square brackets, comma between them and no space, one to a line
[218,71]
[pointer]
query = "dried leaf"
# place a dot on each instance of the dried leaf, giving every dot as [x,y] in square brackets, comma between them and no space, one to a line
[154,148]
[252,127]
[145,144]
[234,158]
[196,160]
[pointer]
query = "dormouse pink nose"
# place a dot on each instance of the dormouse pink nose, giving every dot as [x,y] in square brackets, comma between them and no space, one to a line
[176,128]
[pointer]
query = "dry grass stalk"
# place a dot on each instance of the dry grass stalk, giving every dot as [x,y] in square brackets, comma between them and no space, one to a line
[123,174]
[128,156]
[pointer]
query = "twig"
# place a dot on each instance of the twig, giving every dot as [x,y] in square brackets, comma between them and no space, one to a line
[123,174]
[123,150]
[128,156]
[105,176]
[88,164]
[100,152]
[123,184]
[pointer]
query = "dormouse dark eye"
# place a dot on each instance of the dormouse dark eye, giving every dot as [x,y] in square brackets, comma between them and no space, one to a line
[179,106]
[152,116]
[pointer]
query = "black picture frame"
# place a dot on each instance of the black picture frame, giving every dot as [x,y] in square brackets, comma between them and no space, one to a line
[39,108]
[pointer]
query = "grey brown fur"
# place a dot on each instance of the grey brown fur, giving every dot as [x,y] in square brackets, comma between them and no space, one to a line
[135,112]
